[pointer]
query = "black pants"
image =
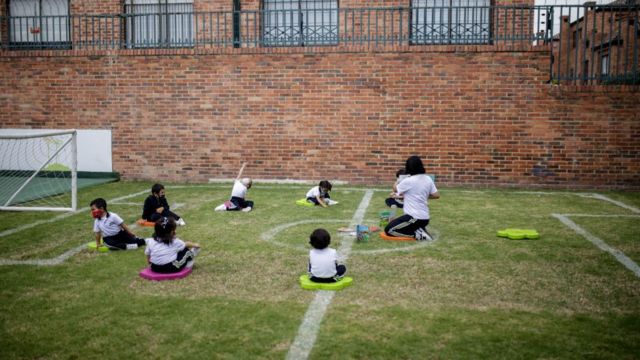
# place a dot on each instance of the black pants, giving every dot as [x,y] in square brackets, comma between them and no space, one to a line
[391,201]
[166,213]
[405,226]
[240,203]
[315,201]
[340,270]
[121,239]
[183,257]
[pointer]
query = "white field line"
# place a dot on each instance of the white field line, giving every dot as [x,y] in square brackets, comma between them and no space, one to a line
[67,254]
[616,202]
[308,330]
[62,216]
[603,216]
[619,255]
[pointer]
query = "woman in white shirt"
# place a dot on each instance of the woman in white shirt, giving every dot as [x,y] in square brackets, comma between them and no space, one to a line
[416,189]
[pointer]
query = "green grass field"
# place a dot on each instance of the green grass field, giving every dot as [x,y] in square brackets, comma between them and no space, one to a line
[468,294]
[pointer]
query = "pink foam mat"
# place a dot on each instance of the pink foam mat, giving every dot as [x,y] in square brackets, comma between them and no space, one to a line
[146,273]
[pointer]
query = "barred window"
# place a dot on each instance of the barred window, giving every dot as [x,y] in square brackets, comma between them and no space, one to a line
[159,23]
[450,21]
[39,24]
[300,22]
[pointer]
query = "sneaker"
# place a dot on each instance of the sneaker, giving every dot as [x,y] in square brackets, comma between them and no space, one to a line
[195,251]
[181,222]
[247,209]
[423,235]
[132,246]
[330,202]
[189,264]
[221,208]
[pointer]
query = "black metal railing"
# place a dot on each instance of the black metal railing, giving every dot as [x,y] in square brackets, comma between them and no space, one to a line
[590,43]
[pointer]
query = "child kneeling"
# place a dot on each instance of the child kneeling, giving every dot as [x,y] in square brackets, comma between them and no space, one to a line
[165,252]
[323,260]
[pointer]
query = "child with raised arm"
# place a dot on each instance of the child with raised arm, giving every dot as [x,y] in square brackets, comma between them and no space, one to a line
[112,229]
[238,199]
[323,260]
[165,252]
[319,195]
[157,206]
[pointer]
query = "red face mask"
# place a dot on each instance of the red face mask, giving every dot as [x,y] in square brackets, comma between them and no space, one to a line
[97,213]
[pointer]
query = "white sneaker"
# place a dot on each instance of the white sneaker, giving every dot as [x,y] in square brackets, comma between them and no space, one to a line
[195,251]
[423,235]
[221,208]
[247,209]
[181,222]
[132,246]
[330,202]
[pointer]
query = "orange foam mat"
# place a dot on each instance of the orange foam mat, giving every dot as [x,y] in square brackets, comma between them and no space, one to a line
[143,222]
[384,236]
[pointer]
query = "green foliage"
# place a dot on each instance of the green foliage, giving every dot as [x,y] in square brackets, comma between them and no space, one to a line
[469,294]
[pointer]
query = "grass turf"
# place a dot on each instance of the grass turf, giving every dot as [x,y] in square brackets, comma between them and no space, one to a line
[469,294]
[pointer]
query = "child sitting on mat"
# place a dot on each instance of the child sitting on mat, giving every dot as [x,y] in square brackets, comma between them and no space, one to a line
[111,228]
[319,195]
[238,197]
[395,199]
[165,252]
[156,206]
[323,260]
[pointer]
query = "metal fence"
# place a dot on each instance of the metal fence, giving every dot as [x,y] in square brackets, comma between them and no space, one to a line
[590,43]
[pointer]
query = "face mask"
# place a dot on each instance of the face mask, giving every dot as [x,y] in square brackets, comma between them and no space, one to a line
[97,213]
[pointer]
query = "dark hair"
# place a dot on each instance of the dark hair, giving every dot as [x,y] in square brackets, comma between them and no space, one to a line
[164,228]
[320,239]
[400,172]
[155,189]
[99,203]
[325,184]
[414,165]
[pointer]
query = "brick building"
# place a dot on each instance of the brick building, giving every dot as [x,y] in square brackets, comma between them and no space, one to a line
[601,45]
[315,89]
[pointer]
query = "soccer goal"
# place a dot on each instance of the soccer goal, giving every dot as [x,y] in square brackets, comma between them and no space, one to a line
[38,170]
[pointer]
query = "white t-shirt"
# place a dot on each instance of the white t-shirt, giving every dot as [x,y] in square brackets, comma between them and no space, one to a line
[323,262]
[108,225]
[416,190]
[239,190]
[314,192]
[161,253]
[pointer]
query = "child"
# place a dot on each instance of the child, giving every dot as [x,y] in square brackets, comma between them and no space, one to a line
[323,260]
[165,252]
[319,195]
[394,199]
[415,189]
[156,206]
[238,197]
[112,229]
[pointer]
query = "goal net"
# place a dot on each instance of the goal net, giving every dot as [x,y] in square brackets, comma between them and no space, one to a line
[38,170]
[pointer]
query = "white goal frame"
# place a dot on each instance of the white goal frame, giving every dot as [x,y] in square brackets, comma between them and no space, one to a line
[73,140]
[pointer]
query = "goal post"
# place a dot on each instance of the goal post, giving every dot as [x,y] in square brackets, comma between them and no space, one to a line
[38,170]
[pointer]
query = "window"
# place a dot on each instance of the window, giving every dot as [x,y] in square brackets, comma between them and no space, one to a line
[300,22]
[39,24]
[159,23]
[604,65]
[450,21]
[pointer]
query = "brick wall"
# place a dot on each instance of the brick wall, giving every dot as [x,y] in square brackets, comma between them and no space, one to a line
[479,118]
[478,115]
